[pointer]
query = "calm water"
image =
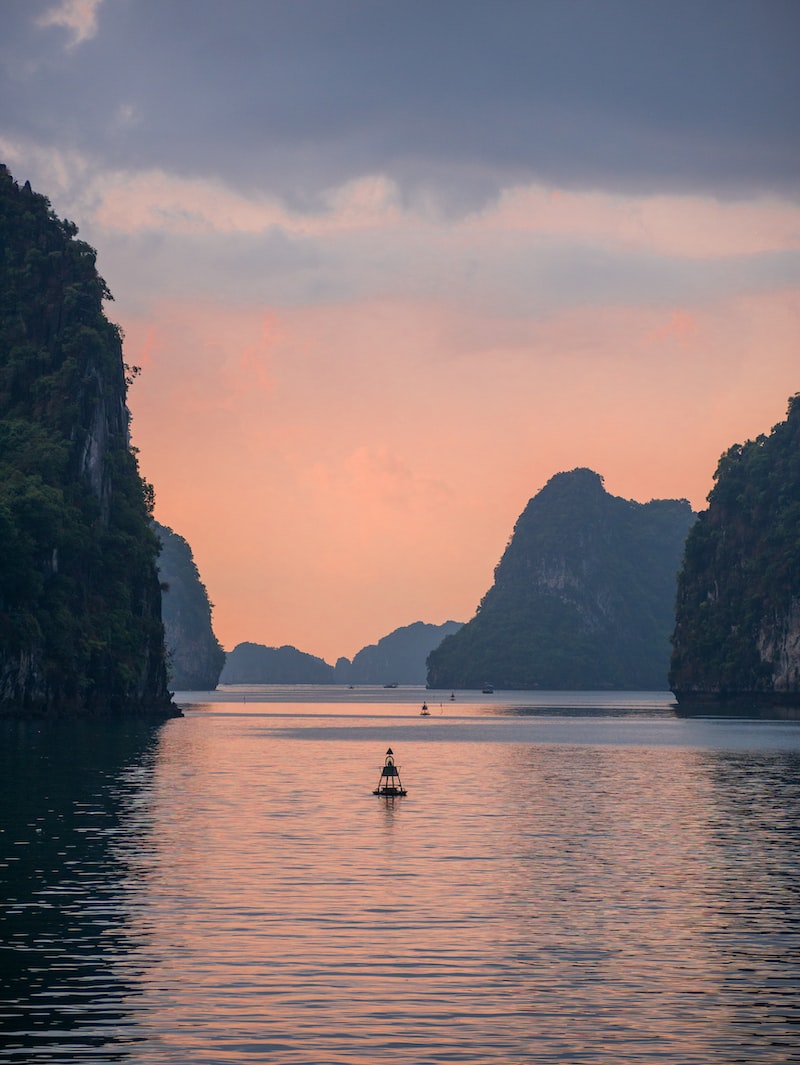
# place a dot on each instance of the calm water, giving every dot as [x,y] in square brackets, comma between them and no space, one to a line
[569,879]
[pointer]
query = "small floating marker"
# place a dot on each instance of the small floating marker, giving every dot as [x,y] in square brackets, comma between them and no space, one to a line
[389,783]
[452,697]
[424,712]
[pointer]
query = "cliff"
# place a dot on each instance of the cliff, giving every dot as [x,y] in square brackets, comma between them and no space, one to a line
[80,604]
[583,596]
[737,624]
[194,655]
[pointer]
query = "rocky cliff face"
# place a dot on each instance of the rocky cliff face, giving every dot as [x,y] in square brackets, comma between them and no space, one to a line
[583,596]
[737,629]
[80,603]
[194,655]
[778,643]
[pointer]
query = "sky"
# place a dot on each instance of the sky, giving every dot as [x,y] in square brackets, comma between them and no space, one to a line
[389,265]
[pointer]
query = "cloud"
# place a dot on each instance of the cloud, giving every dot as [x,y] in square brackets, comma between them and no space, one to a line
[451,102]
[534,251]
[77,16]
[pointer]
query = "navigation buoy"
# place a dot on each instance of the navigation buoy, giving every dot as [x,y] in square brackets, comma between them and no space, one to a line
[389,783]
[425,712]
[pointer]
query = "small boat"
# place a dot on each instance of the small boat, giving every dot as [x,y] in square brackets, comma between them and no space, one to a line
[424,712]
[487,689]
[392,685]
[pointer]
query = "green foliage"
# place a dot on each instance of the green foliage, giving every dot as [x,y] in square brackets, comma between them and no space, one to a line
[582,598]
[80,620]
[741,568]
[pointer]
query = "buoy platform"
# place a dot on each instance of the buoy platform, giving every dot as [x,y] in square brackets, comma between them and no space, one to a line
[389,782]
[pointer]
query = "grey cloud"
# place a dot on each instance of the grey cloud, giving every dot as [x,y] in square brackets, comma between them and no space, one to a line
[452,98]
[531,279]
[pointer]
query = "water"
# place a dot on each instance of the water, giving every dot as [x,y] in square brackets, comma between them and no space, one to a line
[571,878]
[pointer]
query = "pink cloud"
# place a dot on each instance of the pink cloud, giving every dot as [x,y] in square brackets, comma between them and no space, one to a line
[77,16]
[157,200]
[682,326]
[693,227]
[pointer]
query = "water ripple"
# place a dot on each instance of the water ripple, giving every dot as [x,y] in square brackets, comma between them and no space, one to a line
[225,889]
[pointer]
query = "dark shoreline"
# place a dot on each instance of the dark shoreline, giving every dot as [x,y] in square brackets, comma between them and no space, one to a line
[777,705]
[161,712]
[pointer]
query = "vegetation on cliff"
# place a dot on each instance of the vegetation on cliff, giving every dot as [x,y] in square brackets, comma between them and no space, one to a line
[80,614]
[737,625]
[194,654]
[583,596]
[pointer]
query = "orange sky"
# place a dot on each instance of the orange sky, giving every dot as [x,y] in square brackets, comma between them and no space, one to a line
[346,467]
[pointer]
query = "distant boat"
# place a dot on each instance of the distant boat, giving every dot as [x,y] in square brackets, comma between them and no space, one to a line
[487,689]
[392,685]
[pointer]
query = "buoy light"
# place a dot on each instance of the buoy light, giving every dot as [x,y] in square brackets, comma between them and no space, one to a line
[389,782]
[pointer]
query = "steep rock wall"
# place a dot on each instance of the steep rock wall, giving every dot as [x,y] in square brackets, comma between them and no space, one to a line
[582,598]
[194,655]
[779,643]
[737,628]
[80,603]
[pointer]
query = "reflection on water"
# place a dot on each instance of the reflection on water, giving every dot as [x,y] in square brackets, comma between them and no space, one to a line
[65,931]
[225,888]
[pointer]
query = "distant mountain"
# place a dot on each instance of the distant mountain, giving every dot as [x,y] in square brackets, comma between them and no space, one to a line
[398,658]
[583,596]
[737,627]
[253,663]
[194,655]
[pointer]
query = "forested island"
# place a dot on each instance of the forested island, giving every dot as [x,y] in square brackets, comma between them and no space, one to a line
[737,626]
[80,602]
[583,597]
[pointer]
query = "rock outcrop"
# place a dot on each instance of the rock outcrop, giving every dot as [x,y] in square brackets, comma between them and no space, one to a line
[737,626]
[583,597]
[194,654]
[80,603]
